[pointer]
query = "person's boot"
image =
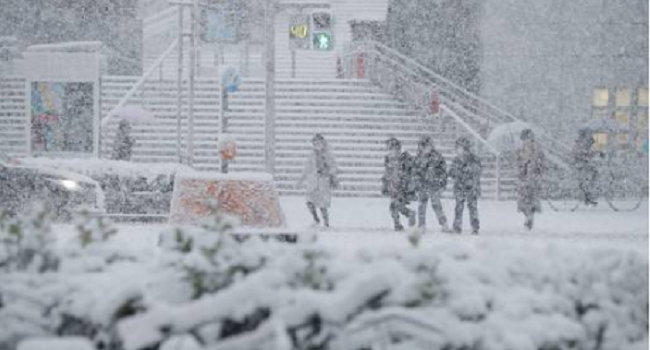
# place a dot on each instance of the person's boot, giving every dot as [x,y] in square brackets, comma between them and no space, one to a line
[312,210]
[398,226]
[412,219]
[326,217]
[529,224]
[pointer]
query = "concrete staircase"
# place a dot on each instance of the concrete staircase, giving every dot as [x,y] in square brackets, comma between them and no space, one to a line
[14,124]
[156,143]
[354,116]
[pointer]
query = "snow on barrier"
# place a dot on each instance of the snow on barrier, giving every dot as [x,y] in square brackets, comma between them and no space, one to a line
[251,198]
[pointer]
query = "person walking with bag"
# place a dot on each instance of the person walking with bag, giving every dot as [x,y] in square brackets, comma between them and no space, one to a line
[397,183]
[430,172]
[319,177]
[466,171]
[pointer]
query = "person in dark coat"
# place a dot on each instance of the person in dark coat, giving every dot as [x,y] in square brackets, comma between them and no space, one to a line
[531,167]
[397,183]
[584,155]
[430,175]
[466,171]
[123,144]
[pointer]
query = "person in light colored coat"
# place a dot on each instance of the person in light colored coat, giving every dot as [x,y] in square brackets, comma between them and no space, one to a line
[531,167]
[319,177]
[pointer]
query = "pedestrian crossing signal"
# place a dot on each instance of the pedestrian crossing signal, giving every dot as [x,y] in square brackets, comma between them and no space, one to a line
[323,41]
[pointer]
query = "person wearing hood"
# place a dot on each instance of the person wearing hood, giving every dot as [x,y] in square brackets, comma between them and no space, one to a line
[320,176]
[430,173]
[397,183]
[123,144]
[531,165]
[466,172]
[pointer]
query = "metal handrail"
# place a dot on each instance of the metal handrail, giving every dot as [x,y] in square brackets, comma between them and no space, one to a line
[154,67]
[490,113]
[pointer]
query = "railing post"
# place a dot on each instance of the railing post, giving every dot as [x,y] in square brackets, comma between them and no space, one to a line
[498,175]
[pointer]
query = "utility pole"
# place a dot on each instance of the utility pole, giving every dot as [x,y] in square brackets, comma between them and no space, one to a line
[179,85]
[190,136]
[269,123]
[192,74]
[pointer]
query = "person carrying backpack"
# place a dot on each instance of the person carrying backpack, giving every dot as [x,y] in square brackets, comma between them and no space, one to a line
[397,183]
[430,175]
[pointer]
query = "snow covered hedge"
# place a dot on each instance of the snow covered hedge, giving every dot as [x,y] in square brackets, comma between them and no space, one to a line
[200,289]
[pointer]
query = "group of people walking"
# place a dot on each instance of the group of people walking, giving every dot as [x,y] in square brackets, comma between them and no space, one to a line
[423,178]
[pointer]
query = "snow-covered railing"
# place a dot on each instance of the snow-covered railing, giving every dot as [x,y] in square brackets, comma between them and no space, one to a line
[139,83]
[415,83]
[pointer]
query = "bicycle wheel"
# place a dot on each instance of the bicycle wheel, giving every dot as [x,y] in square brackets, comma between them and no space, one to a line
[562,192]
[621,192]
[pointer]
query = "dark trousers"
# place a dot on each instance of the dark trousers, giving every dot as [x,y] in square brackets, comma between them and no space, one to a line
[423,198]
[472,205]
[398,206]
[323,211]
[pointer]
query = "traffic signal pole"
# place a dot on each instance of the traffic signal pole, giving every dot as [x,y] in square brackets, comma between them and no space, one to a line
[269,122]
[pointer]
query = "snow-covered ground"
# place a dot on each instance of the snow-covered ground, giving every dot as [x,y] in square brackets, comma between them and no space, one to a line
[362,222]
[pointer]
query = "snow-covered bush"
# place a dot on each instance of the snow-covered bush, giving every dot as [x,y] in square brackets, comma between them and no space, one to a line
[199,288]
[26,242]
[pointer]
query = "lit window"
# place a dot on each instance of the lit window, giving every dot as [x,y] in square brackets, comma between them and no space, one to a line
[622,97]
[643,97]
[623,118]
[601,97]
[600,140]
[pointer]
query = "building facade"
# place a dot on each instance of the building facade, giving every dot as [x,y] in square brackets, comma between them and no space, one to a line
[562,63]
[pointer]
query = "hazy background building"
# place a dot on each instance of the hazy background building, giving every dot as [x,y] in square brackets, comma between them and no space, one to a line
[557,63]
[113,22]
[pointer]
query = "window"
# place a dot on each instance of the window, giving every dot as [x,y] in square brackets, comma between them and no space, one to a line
[643,97]
[600,141]
[623,118]
[601,97]
[622,97]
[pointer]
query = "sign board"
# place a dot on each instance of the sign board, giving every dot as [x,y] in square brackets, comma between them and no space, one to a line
[220,24]
[249,197]
[62,117]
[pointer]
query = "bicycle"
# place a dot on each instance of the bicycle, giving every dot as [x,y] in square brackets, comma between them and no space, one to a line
[617,177]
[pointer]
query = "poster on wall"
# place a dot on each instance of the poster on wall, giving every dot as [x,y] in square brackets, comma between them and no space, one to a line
[62,117]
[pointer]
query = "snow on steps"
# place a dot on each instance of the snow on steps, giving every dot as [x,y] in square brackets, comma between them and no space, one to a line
[354,116]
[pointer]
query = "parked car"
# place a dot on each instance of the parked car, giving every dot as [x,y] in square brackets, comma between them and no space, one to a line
[62,192]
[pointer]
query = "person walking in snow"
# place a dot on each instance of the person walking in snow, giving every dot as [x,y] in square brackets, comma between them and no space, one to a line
[584,156]
[531,167]
[466,171]
[397,183]
[123,144]
[319,177]
[430,175]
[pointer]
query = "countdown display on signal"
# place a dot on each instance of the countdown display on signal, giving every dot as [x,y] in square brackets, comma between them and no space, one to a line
[299,31]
